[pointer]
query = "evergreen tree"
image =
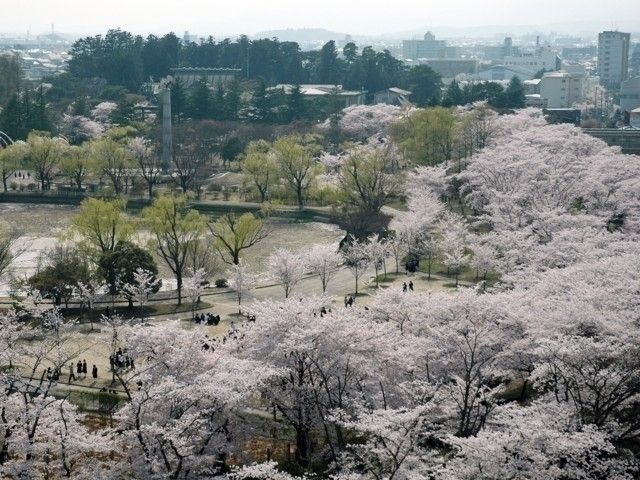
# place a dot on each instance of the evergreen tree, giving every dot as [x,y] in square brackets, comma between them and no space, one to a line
[453,95]
[125,112]
[232,100]
[12,119]
[425,85]
[295,104]
[200,100]
[219,107]
[514,94]
[80,106]
[41,117]
[178,99]
[260,102]
[327,69]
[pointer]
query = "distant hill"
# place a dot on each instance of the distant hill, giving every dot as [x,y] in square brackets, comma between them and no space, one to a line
[301,35]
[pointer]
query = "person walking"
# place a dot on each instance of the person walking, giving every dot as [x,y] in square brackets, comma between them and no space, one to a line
[71,375]
[84,369]
[404,287]
[79,368]
[411,285]
[94,372]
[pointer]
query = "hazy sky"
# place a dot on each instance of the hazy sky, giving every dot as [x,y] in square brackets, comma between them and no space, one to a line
[250,16]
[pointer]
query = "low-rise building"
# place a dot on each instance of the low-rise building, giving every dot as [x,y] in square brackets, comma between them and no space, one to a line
[393,96]
[630,95]
[502,72]
[543,59]
[561,89]
[346,98]
[532,87]
[451,68]
[213,76]
[534,100]
[634,118]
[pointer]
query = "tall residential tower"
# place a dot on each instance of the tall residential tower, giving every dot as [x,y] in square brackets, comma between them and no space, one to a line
[613,58]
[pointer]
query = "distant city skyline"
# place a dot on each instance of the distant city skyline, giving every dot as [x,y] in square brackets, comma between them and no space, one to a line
[252,16]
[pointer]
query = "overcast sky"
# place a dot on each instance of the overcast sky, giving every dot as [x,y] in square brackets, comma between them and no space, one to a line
[250,16]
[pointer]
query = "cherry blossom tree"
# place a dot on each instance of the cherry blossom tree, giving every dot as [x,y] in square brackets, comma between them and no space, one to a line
[103,111]
[78,129]
[325,363]
[377,252]
[324,261]
[287,268]
[241,281]
[360,122]
[41,435]
[541,441]
[356,259]
[144,284]
[147,161]
[194,287]
[453,244]
[187,405]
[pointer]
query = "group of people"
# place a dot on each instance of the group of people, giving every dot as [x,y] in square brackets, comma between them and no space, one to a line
[76,372]
[52,374]
[349,301]
[207,318]
[120,359]
[404,287]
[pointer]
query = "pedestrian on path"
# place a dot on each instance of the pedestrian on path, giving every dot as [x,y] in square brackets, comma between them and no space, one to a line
[411,286]
[71,375]
[94,372]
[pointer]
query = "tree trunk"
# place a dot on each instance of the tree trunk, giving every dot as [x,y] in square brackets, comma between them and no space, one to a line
[356,281]
[299,195]
[150,188]
[179,287]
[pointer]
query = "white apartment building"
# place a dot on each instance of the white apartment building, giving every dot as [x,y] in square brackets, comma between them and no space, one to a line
[613,58]
[562,89]
[544,58]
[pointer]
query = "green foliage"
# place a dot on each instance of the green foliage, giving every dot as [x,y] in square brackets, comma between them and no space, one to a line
[514,94]
[259,168]
[65,269]
[200,100]
[12,159]
[45,154]
[101,225]
[428,136]
[233,235]
[117,267]
[116,57]
[425,85]
[174,228]
[367,180]
[10,77]
[297,165]
[25,112]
